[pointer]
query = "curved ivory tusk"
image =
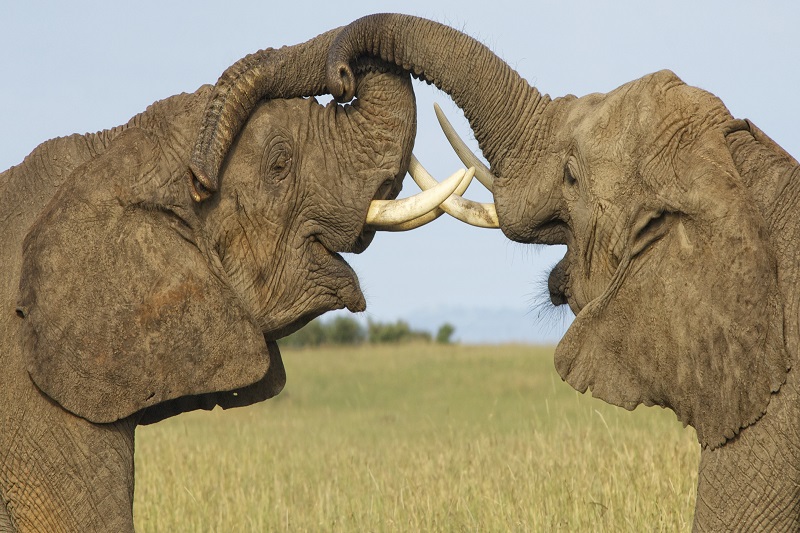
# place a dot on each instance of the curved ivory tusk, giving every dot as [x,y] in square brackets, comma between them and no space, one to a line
[474,213]
[431,215]
[392,212]
[463,151]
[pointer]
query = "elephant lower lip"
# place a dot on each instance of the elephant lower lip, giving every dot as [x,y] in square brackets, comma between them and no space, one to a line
[558,299]
[348,293]
[363,241]
[557,283]
[351,295]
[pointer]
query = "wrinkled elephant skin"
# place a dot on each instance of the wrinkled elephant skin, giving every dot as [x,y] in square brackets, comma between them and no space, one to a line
[129,298]
[682,261]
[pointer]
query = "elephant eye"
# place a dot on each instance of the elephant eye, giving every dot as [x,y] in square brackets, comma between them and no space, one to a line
[278,160]
[280,163]
[569,177]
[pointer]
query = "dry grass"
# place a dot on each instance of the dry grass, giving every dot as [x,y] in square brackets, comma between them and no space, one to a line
[418,438]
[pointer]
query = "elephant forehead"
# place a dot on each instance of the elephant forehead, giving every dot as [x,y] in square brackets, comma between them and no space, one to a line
[609,121]
[604,146]
[278,113]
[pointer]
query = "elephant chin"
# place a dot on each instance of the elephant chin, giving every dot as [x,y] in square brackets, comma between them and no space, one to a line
[335,285]
[343,279]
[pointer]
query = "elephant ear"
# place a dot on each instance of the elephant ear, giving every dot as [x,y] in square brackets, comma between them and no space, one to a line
[120,309]
[694,323]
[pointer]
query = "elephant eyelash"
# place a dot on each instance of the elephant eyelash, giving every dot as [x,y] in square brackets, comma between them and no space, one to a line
[277,160]
[280,164]
[569,177]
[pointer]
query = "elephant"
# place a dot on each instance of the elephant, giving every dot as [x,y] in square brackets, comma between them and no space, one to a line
[682,261]
[149,269]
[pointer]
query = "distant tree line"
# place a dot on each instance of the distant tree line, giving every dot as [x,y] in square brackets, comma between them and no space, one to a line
[347,330]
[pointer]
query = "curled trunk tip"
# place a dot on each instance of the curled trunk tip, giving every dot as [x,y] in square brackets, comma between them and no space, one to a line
[288,72]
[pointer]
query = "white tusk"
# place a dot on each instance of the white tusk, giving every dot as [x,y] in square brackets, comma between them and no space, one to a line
[474,213]
[463,151]
[391,212]
[430,216]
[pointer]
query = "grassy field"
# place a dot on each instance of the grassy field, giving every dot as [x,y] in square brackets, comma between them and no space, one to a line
[418,438]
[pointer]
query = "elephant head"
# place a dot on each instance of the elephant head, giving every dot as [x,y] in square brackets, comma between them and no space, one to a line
[140,294]
[671,265]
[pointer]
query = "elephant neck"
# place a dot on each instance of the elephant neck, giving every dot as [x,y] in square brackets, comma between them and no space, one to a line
[762,460]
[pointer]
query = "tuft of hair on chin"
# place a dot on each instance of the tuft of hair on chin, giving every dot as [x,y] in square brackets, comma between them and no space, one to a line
[547,318]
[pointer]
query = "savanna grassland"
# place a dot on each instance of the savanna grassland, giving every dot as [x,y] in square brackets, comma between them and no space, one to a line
[418,437]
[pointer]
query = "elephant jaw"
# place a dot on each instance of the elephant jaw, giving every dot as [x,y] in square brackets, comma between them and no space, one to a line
[349,293]
[342,280]
[339,288]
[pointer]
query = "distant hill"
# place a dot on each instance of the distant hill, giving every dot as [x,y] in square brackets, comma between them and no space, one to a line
[493,326]
[484,325]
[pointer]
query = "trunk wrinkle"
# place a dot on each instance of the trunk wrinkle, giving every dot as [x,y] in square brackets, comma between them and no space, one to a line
[288,72]
[498,103]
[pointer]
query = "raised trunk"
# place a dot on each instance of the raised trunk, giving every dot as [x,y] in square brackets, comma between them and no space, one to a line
[498,103]
[287,72]
[381,123]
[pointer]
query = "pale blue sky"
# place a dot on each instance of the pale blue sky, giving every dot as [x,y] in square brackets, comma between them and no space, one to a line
[77,66]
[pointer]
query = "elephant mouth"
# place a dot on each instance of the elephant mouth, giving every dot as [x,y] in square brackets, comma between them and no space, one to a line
[562,290]
[557,284]
[334,285]
[343,281]
[363,240]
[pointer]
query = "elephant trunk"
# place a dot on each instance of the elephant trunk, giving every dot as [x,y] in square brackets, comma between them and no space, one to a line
[386,109]
[288,72]
[498,103]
